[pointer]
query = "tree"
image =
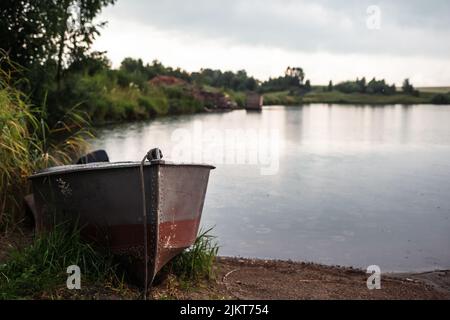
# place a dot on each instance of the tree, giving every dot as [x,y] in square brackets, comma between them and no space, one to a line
[46,37]
[308,85]
[131,65]
[24,31]
[76,29]
[362,85]
[330,86]
[251,84]
[296,73]
[359,86]
[408,88]
[441,99]
[90,64]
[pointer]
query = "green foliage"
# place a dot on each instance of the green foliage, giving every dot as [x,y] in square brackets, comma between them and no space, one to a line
[442,90]
[318,95]
[347,87]
[28,143]
[134,71]
[184,105]
[295,73]
[237,96]
[292,81]
[330,86]
[50,39]
[35,31]
[125,94]
[42,265]
[308,85]
[15,142]
[198,261]
[408,88]
[282,98]
[441,99]
[362,98]
[359,86]
[238,81]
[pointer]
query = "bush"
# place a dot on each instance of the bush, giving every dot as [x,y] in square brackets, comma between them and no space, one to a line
[153,105]
[238,97]
[359,86]
[347,87]
[441,99]
[185,105]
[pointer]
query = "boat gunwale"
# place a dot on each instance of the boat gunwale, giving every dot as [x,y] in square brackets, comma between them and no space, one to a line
[74,168]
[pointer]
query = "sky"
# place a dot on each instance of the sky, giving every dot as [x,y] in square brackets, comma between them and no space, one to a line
[330,39]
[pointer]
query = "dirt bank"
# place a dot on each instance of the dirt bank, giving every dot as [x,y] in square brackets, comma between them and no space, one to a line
[260,279]
[238,278]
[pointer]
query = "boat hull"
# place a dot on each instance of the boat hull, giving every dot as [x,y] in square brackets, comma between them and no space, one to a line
[106,201]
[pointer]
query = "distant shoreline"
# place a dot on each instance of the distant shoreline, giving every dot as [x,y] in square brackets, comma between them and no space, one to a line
[336,97]
[288,102]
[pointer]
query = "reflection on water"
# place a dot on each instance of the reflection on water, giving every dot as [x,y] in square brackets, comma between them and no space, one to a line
[354,185]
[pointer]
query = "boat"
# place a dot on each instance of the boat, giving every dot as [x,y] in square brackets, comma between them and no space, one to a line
[254,101]
[146,212]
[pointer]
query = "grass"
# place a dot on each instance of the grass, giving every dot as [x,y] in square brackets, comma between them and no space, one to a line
[41,267]
[28,144]
[106,100]
[435,89]
[360,98]
[317,95]
[237,96]
[15,142]
[196,263]
[38,271]
[281,98]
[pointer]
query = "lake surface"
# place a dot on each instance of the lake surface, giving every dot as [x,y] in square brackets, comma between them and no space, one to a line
[346,185]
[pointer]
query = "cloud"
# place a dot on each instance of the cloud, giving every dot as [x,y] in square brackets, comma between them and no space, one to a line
[414,27]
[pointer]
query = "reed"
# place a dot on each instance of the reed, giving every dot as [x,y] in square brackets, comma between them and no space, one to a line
[28,143]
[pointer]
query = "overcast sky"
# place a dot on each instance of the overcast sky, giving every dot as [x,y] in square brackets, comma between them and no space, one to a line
[329,39]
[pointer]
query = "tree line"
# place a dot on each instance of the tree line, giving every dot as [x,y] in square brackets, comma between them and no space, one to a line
[374,86]
[134,70]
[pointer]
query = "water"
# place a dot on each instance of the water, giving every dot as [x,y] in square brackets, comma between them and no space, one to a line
[348,185]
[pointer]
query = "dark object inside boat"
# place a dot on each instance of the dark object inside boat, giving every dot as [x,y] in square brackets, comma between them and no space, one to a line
[94,156]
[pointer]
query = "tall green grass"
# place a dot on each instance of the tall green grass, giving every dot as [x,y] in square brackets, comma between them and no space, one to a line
[197,262]
[106,99]
[42,266]
[28,143]
[238,97]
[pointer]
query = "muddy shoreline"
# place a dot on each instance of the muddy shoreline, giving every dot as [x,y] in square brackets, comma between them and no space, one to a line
[242,279]
[239,278]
